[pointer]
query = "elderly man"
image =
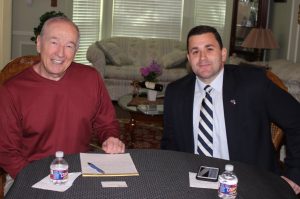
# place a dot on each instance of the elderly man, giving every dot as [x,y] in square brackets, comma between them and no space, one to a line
[55,105]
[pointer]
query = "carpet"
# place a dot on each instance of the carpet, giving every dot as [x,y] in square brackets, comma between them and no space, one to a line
[146,136]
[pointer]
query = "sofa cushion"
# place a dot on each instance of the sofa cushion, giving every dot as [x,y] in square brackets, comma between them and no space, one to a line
[130,72]
[126,72]
[143,51]
[173,59]
[114,53]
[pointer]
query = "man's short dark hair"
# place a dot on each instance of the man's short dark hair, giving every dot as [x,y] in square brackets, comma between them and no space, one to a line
[199,30]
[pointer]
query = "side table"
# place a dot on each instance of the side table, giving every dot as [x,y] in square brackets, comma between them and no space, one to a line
[138,115]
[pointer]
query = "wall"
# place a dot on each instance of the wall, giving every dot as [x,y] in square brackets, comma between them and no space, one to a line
[25,17]
[5,31]
[293,53]
[283,22]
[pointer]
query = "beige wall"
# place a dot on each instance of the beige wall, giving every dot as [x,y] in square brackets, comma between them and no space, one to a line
[26,17]
[293,53]
[283,22]
[5,32]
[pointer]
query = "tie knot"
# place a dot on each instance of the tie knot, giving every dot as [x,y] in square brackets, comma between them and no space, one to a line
[208,88]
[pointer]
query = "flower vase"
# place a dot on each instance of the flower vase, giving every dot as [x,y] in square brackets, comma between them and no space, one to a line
[151,95]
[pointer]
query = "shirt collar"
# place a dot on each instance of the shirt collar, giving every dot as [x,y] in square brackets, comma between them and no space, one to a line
[216,84]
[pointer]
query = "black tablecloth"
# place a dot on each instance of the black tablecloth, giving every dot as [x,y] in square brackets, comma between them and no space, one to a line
[163,174]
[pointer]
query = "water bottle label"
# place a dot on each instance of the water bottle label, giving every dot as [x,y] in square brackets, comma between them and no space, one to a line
[58,174]
[227,189]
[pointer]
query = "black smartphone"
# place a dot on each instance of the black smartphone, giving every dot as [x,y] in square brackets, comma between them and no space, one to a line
[208,173]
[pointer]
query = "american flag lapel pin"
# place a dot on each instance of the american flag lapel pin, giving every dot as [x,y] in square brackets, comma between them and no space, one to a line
[233,102]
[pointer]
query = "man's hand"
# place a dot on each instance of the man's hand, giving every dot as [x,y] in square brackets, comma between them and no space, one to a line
[113,145]
[294,186]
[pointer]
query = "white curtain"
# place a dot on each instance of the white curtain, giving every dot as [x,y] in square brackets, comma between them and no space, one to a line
[88,17]
[147,18]
[210,12]
[143,18]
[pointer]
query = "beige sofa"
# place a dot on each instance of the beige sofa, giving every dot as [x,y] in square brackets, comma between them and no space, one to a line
[119,60]
[287,71]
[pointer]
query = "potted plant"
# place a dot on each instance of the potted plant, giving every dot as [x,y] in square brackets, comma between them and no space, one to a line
[150,74]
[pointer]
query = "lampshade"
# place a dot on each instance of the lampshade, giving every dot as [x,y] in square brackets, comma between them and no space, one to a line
[260,38]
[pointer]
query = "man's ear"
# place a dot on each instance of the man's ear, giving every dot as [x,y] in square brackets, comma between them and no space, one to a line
[224,55]
[38,44]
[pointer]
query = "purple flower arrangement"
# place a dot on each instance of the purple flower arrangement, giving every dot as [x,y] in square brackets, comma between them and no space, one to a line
[151,72]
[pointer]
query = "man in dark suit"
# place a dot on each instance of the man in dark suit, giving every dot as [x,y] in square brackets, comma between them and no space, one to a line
[245,102]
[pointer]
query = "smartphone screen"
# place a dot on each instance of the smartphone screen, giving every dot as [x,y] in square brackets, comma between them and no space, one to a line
[208,173]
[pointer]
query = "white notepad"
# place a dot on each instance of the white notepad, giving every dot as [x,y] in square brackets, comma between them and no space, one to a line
[111,164]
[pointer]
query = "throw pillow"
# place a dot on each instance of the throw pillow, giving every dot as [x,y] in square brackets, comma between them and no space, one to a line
[115,54]
[173,59]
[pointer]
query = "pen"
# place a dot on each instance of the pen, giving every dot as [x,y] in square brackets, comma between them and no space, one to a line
[95,167]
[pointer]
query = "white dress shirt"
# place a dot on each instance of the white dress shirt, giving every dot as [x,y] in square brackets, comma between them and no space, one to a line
[220,145]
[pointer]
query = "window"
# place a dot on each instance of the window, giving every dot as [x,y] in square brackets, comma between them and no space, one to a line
[87,16]
[210,12]
[147,18]
[143,18]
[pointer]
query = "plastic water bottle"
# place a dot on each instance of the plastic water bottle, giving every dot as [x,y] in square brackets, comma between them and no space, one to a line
[228,183]
[59,169]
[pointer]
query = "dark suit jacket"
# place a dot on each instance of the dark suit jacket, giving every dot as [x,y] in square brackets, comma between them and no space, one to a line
[258,102]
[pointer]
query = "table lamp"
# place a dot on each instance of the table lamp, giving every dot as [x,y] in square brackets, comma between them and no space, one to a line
[261,39]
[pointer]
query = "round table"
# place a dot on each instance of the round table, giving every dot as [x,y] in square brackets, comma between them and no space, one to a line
[162,174]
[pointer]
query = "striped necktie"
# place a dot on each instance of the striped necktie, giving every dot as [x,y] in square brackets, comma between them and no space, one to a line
[205,135]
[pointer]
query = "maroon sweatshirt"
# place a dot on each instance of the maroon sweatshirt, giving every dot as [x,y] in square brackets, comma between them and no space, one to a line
[39,116]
